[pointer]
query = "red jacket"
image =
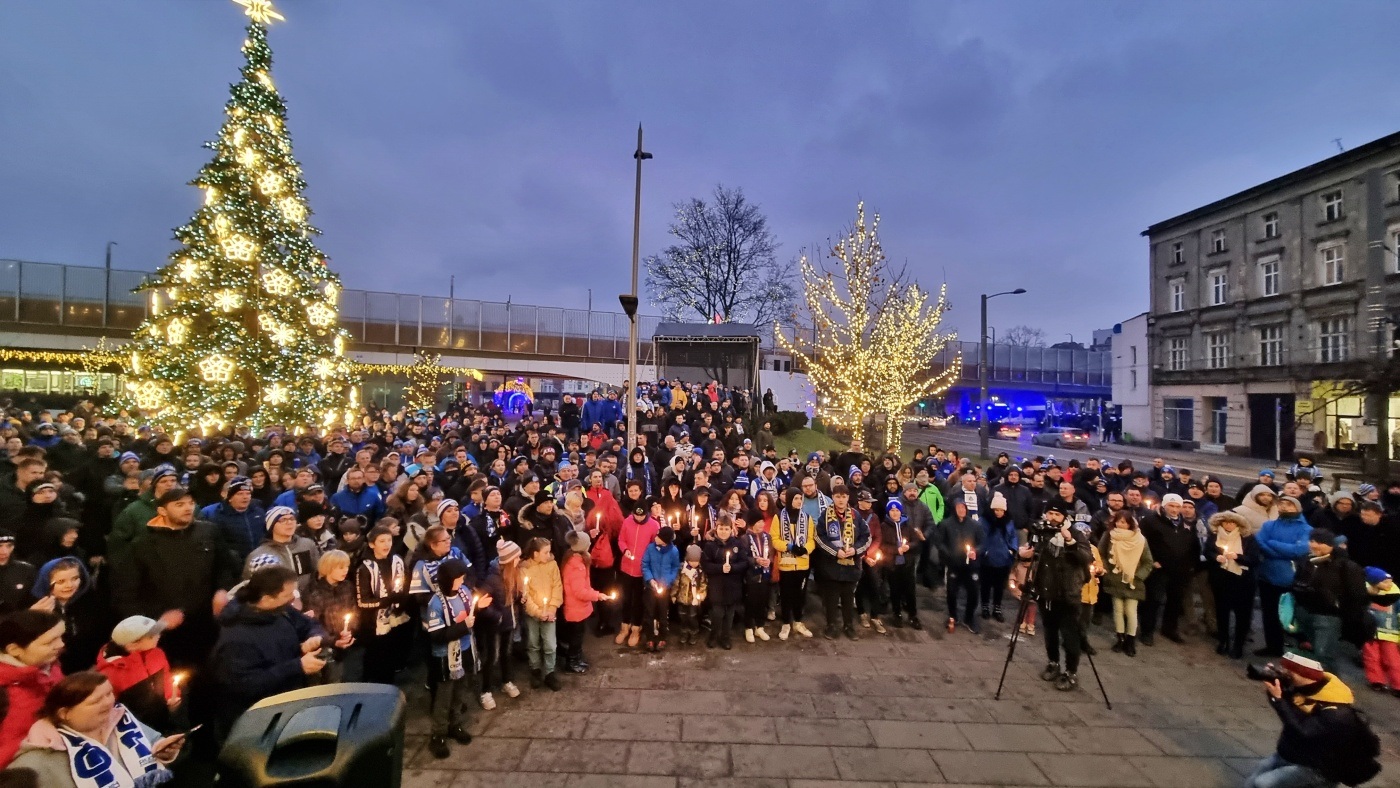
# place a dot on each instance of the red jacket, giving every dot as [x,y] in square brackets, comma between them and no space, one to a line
[635,537]
[127,670]
[25,689]
[579,595]
[604,507]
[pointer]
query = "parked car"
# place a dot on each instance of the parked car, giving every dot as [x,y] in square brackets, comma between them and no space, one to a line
[1063,437]
[933,422]
[1011,431]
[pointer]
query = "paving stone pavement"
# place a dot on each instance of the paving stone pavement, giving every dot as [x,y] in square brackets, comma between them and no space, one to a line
[901,709]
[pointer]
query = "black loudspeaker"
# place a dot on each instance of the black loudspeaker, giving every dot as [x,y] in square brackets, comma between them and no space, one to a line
[332,736]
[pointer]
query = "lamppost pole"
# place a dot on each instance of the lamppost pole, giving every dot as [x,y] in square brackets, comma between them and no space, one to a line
[982,363]
[107,282]
[629,301]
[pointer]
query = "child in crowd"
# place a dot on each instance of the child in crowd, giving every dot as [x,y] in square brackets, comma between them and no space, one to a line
[661,564]
[139,671]
[542,592]
[579,597]
[448,617]
[689,593]
[1381,654]
[758,581]
[725,561]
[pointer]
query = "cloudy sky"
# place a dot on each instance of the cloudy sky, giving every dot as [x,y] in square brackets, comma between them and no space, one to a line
[1005,144]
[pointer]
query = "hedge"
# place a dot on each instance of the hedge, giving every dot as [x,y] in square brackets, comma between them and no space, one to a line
[785,421]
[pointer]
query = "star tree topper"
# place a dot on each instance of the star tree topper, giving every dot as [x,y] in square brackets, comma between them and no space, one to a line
[261,11]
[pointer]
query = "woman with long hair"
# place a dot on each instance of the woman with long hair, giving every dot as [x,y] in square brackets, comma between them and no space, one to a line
[382,594]
[405,502]
[1128,561]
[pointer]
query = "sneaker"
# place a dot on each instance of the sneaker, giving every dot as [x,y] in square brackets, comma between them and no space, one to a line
[459,734]
[552,681]
[996,613]
[1030,630]
[973,627]
[830,633]
[865,620]
[986,612]
[512,691]
[801,629]
[898,621]
[439,747]
[660,646]
[1051,672]
[879,627]
[748,636]
[1066,682]
[772,616]
[915,623]
[952,625]
[851,634]
[1378,687]
[761,634]
[784,632]
[487,702]
[536,679]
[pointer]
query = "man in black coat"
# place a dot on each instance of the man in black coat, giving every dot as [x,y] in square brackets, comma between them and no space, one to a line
[1175,554]
[1062,571]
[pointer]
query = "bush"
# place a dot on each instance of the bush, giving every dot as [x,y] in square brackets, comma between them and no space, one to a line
[785,421]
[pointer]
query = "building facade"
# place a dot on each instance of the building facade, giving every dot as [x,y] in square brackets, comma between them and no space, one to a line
[1265,303]
[1132,378]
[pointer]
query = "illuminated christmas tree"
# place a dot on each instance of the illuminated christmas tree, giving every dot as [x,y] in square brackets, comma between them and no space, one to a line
[871,337]
[243,326]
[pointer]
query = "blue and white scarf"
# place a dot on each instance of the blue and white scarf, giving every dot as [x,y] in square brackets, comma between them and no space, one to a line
[93,766]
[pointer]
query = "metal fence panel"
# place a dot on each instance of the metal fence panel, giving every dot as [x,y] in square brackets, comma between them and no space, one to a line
[523,329]
[576,338]
[495,326]
[437,322]
[549,331]
[82,296]
[410,310]
[40,293]
[381,318]
[466,325]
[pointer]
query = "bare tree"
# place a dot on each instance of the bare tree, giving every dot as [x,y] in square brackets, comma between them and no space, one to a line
[724,264]
[1023,336]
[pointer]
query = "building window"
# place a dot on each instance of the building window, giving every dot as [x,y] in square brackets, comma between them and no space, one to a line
[1271,346]
[1177,353]
[1217,241]
[1335,336]
[1177,289]
[1392,255]
[1133,348]
[1178,254]
[1332,206]
[1332,259]
[1219,286]
[1133,373]
[1269,277]
[1178,419]
[1271,225]
[1219,408]
[1217,350]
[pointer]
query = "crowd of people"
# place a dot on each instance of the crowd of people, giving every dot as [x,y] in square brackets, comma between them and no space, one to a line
[148,585]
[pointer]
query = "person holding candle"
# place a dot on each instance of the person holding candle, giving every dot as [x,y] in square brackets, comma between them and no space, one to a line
[636,534]
[758,581]
[542,593]
[1233,555]
[604,521]
[496,625]
[872,592]
[139,671]
[381,595]
[448,618]
[579,597]
[330,600]
[689,592]
[725,560]
[1127,563]
[842,541]
[660,564]
[960,541]
[794,541]
[999,542]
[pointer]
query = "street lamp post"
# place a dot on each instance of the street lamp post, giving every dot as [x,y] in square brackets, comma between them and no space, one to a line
[982,436]
[629,300]
[107,282]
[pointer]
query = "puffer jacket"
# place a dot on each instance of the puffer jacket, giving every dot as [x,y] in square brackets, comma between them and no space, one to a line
[1255,513]
[242,531]
[999,540]
[1283,542]
[725,588]
[25,688]
[542,587]
[633,539]
[579,594]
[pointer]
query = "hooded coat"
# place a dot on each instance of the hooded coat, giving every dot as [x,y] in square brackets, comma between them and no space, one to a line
[1255,513]
[84,617]
[25,687]
[258,654]
[1283,542]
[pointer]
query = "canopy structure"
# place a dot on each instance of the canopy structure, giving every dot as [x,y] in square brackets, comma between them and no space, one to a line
[701,352]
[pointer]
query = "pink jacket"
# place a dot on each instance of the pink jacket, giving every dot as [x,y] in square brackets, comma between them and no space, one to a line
[579,595]
[632,540]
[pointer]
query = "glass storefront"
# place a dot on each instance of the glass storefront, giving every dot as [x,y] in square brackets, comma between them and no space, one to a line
[45,381]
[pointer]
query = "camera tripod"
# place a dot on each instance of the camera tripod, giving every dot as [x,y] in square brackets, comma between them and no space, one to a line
[1030,595]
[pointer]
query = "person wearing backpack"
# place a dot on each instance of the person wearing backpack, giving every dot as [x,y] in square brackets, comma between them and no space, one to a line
[1325,740]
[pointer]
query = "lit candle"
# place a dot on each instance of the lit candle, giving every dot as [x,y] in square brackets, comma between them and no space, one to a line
[877,555]
[612,595]
[175,682]
[968,549]
[346,628]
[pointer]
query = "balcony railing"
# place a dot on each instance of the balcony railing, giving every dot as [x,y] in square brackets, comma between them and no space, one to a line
[35,295]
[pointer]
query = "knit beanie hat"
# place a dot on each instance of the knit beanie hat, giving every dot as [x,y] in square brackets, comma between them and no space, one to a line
[578,541]
[894,506]
[277,513]
[1307,668]
[445,504]
[507,552]
[667,534]
[693,552]
[448,571]
[1171,498]
[1365,490]
[1375,575]
[1340,495]
[998,501]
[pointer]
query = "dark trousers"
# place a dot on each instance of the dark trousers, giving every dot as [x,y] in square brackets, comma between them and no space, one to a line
[689,616]
[570,640]
[994,584]
[901,582]
[1166,598]
[1269,595]
[930,570]
[633,593]
[962,578]
[756,597]
[872,592]
[1060,622]
[656,618]
[605,611]
[1234,596]
[493,645]
[385,654]
[792,594]
[839,598]
[722,622]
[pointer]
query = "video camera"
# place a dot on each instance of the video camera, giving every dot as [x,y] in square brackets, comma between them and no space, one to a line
[1268,672]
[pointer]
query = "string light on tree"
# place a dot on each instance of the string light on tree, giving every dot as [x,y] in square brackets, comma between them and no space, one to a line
[235,341]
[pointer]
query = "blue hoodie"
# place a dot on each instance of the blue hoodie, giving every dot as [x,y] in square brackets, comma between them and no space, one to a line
[1283,542]
[661,564]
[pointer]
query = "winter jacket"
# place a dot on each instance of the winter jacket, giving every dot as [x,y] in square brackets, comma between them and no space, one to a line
[760,545]
[84,616]
[366,502]
[691,587]
[725,588]
[43,754]
[633,538]
[999,541]
[1333,585]
[141,680]
[579,594]
[1113,583]
[129,525]
[242,531]
[1020,502]
[1063,570]
[25,688]
[661,565]
[1253,512]
[258,655]
[329,604]
[542,587]
[1248,558]
[835,531]
[933,499]
[301,555]
[794,540]
[1173,543]
[955,536]
[920,517]
[1320,731]
[488,527]
[504,611]
[1283,542]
